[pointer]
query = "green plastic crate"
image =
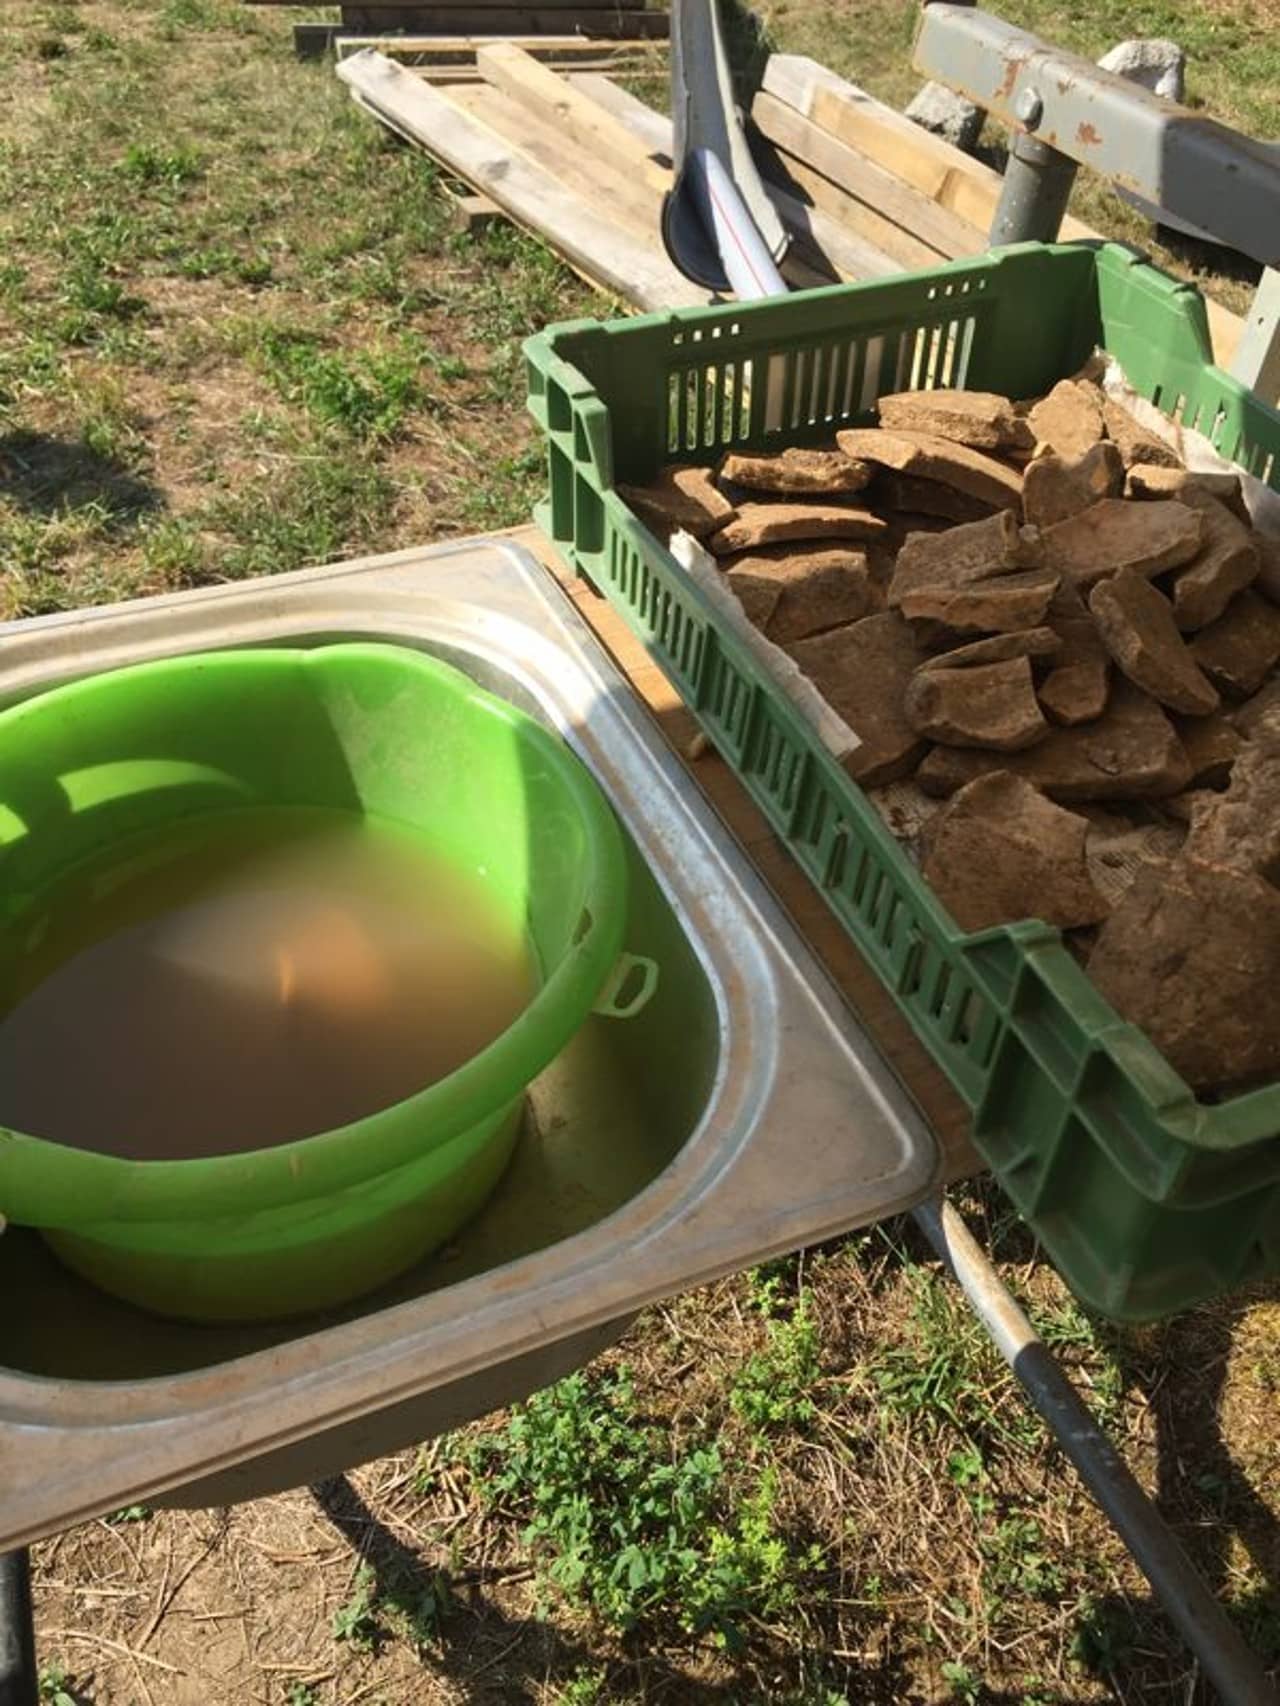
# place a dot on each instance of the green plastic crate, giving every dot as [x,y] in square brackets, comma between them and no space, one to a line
[1146,1200]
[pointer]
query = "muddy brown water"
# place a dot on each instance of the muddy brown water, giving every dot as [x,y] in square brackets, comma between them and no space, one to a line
[246,980]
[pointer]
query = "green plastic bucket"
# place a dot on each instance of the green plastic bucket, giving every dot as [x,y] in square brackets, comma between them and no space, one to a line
[373,730]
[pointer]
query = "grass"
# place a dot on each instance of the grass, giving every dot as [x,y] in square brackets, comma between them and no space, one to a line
[237,336]
[256,362]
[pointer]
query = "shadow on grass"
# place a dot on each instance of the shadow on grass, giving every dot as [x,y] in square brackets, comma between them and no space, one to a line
[1198,1478]
[47,476]
[509,1660]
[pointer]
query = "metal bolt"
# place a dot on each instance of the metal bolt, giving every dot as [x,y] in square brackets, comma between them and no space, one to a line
[1028,107]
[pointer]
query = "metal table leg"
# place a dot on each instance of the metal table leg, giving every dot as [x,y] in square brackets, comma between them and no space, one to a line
[19,1684]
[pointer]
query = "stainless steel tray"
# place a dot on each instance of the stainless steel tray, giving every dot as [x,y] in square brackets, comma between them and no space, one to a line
[742,1114]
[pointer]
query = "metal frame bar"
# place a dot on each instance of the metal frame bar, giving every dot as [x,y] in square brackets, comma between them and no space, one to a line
[1223,182]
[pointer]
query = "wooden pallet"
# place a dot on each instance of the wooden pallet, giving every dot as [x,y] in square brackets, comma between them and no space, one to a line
[582,164]
[608,20]
[446,60]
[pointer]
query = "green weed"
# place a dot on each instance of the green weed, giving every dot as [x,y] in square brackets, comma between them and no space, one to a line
[1104,1636]
[947,1372]
[415,1602]
[584,1689]
[108,423]
[367,395]
[961,1682]
[90,289]
[130,1513]
[773,1389]
[1091,1350]
[174,550]
[521,289]
[322,509]
[393,1601]
[92,299]
[1254,1605]
[619,1517]
[355,1621]
[147,164]
[771,1287]
[219,260]
[1016,1562]
[503,495]
[64,18]
[56,1686]
[196,15]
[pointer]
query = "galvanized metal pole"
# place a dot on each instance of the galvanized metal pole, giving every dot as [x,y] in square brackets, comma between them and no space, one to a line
[1035,191]
[19,1684]
[1227,1662]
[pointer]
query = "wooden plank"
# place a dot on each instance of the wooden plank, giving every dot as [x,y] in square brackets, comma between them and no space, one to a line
[626,200]
[905,251]
[473,213]
[630,54]
[509,17]
[549,9]
[461,74]
[520,77]
[592,151]
[502,19]
[954,180]
[862,178]
[941,172]
[651,128]
[819,237]
[632,268]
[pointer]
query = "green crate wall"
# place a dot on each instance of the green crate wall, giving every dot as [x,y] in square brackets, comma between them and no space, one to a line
[1147,1200]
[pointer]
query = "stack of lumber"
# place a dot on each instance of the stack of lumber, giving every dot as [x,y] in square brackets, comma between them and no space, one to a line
[446,60]
[552,159]
[581,163]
